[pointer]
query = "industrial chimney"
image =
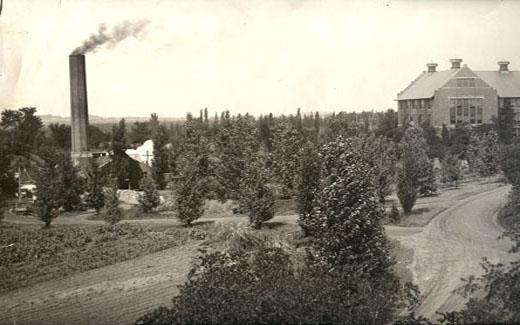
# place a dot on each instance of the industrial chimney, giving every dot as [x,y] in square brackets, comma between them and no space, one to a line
[455,63]
[78,110]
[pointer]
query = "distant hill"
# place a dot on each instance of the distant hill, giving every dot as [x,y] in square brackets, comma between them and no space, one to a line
[94,119]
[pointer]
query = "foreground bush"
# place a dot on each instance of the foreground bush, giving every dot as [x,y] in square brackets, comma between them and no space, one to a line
[31,255]
[263,285]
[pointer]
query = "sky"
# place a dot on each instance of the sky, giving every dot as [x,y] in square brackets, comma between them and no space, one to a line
[255,56]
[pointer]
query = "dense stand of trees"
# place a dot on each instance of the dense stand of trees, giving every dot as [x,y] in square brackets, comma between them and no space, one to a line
[340,168]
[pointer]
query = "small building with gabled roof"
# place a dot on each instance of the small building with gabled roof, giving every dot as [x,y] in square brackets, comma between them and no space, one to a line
[460,95]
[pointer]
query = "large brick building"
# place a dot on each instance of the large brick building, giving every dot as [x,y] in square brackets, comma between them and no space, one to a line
[460,95]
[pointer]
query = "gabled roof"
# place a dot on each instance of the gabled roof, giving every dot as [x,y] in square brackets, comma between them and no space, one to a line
[506,84]
[426,84]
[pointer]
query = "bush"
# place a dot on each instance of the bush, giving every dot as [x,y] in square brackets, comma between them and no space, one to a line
[149,198]
[113,212]
[262,285]
[261,206]
[406,191]
[394,214]
[509,163]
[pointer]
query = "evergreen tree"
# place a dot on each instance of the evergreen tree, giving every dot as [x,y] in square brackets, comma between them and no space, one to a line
[510,163]
[160,163]
[7,182]
[483,152]
[189,195]
[140,132]
[450,170]
[23,128]
[125,170]
[414,145]
[308,179]
[416,170]
[113,213]
[261,205]
[388,127]
[95,198]
[349,232]
[380,155]
[72,185]
[257,199]
[237,143]
[433,141]
[60,136]
[317,127]
[49,189]
[406,186]
[505,123]
[287,142]
[149,198]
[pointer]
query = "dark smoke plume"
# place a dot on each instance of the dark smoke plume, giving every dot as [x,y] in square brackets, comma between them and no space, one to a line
[111,38]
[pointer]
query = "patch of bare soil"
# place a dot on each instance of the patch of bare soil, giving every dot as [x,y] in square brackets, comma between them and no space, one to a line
[116,294]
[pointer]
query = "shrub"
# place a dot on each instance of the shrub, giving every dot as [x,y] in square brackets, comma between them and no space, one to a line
[406,191]
[113,212]
[95,198]
[149,198]
[509,163]
[261,206]
[262,285]
[394,214]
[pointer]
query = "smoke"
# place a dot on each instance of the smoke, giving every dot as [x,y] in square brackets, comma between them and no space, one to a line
[111,38]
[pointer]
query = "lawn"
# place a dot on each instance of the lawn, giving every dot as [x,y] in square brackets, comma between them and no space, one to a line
[427,208]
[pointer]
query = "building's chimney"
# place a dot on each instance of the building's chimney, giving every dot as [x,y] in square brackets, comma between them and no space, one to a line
[78,108]
[503,66]
[431,67]
[455,63]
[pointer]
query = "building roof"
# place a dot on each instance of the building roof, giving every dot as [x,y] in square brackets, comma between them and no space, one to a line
[506,84]
[426,84]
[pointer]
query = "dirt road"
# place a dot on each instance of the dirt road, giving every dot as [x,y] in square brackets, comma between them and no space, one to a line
[116,294]
[451,247]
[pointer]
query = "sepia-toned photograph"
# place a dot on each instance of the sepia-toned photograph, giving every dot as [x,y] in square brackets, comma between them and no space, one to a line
[259,162]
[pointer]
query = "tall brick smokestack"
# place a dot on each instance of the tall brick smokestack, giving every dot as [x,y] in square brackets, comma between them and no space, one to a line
[78,109]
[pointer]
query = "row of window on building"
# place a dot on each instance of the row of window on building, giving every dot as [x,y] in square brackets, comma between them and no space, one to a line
[465,82]
[509,102]
[416,104]
[466,110]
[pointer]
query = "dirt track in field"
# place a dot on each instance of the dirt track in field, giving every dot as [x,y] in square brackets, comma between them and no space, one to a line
[116,294]
[451,247]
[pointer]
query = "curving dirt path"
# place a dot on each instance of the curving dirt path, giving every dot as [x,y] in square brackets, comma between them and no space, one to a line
[451,247]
